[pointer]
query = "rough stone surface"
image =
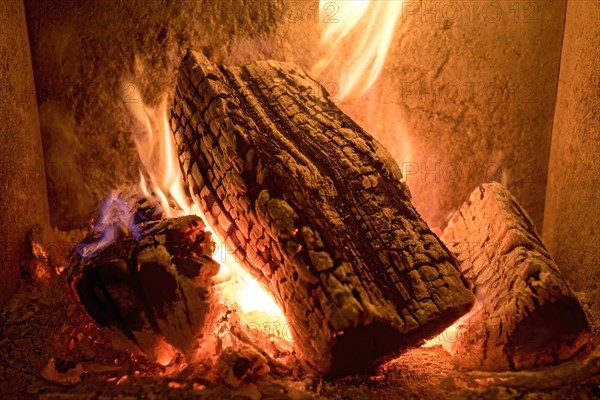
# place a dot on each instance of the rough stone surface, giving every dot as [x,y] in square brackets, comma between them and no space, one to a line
[572,215]
[466,96]
[86,53]
[22,180]
[82,51]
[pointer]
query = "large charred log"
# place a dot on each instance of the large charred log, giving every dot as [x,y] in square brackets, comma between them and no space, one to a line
[149,288]
[316,209]
[527,315]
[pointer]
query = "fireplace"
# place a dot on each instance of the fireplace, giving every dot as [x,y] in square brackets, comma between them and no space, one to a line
[421,172]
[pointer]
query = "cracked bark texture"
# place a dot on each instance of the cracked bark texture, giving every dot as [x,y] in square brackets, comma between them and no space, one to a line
[316,209]
[150,291]
[526,314]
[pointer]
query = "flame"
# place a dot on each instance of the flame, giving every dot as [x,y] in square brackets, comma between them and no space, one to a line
[455,332]
[156,150]
[237,286]
[116,217]
[247,293]
[160,167]
[359,33]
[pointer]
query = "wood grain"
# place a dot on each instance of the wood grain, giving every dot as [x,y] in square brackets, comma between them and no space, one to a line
[316,209]
[527,314]
[150,291]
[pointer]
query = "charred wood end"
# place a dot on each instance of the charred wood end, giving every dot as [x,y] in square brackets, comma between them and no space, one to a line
[151,294]
[529,316]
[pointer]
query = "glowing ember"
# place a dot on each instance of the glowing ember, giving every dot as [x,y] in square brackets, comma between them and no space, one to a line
[248,294]
[360,34]
[452,334]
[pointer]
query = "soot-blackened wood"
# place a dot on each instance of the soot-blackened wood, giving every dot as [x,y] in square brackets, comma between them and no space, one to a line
[316,209]
[149,287]
[526,314]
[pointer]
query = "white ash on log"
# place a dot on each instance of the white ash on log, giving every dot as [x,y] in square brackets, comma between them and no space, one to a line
[528,316]
[316,209]
[236,365]
[149,288]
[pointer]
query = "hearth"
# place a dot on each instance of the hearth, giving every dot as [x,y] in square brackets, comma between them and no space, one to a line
[281,199]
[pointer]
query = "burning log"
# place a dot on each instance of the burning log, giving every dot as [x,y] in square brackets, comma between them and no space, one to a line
[316,209]
[527,315]
[149,287]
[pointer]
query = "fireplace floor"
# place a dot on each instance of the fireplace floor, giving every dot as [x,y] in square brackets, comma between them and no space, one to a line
[42,321]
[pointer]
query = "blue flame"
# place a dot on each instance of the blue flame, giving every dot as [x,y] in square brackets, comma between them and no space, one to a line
[117,216]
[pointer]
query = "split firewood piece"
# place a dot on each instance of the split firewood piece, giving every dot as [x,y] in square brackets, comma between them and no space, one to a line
[526,314]
[316,209]
[149,288]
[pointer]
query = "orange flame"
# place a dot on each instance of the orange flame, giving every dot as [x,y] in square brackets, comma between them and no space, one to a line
[363,56]
[156,150]
[160,167]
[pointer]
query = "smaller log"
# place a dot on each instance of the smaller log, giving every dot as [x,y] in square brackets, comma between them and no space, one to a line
[526,315]
[149,288]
